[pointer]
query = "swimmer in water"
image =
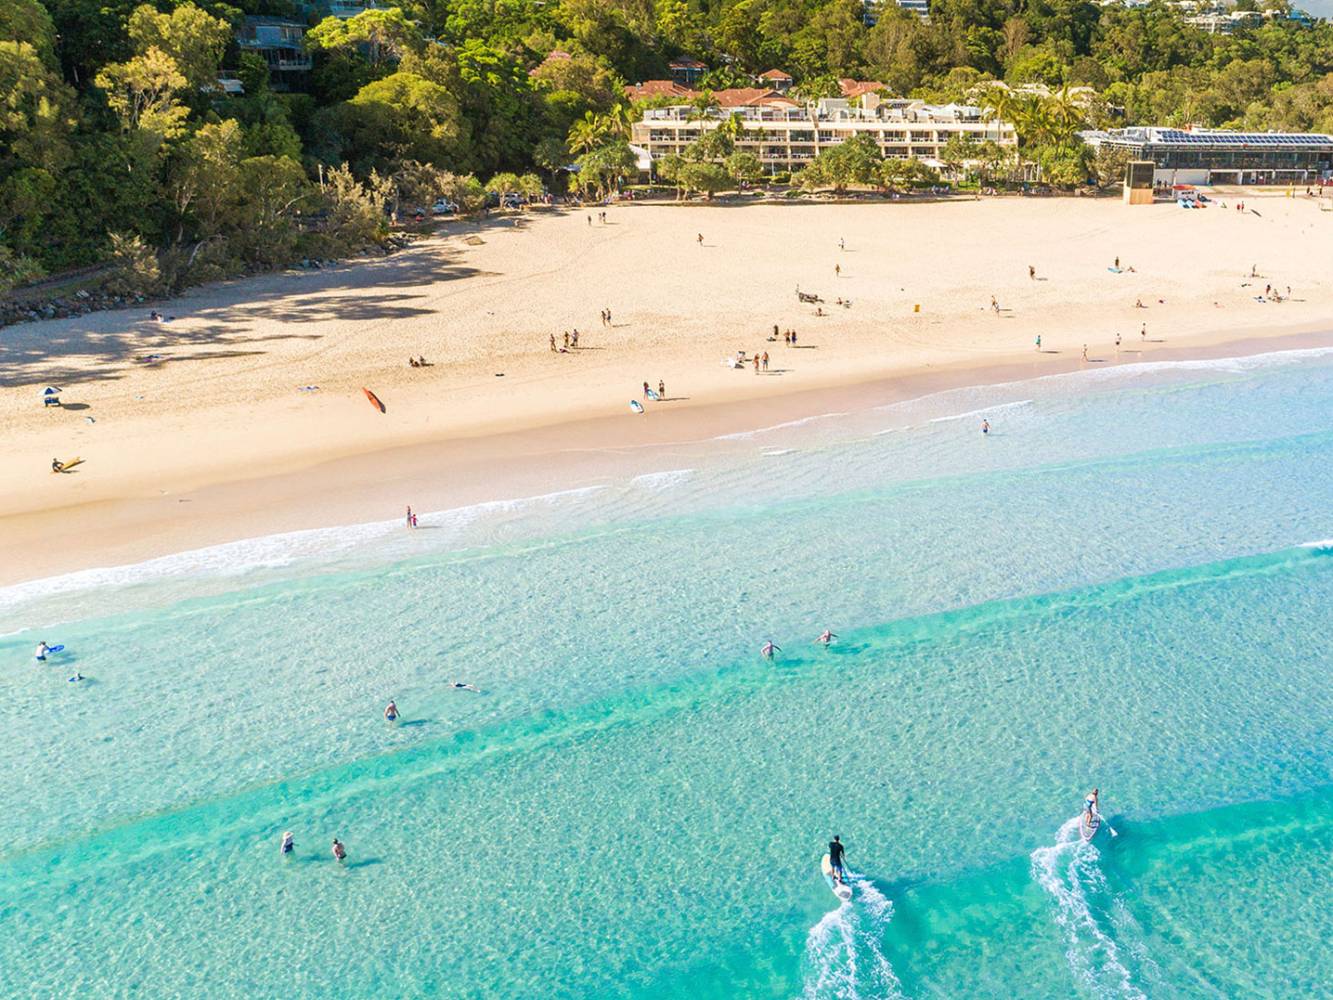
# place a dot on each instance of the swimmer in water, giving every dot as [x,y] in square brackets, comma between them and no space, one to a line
[985,427]
[826,637]
[391,712]
[768,649]
[461,686]
[339,852]
[75,679]
[289,843]
[42,649]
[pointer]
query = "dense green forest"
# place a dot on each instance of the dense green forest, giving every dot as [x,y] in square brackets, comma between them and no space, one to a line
[116,142]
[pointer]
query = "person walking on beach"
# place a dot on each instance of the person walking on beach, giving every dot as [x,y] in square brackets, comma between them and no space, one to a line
[566,340]
[391,711]
[837,270]
[574,340]
[768,649]
[288,843]
[1032,273]
[1117,343]
[339,851]
[1038,343]
[842,244]
[1143,333]
[765,361]
[661,389]
[793,338]
[409,519]
[700,239]
[645,391]
[553,343]
[608,317]
[1085,352]
[995,305]
[590,220]
[1117,263]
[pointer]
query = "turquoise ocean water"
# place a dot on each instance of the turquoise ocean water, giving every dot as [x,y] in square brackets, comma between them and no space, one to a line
[1123,585]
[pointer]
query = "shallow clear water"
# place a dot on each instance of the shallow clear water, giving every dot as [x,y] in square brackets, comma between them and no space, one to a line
[1113,588]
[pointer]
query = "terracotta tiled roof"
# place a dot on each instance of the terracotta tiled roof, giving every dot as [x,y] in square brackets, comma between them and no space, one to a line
[775,74]
[852,89]
[741,97]
[658,88]
[685,62]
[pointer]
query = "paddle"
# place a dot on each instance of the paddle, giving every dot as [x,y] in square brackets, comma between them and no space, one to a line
[1107,822]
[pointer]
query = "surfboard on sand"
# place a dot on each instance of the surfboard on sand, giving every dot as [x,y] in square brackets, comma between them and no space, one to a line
[66,466]
[840,889]
[636,406]
[374,400]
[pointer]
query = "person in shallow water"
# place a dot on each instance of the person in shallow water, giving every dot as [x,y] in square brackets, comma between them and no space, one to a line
[339,852]
[41,651]
[1091,807]
[835,853]
[391,711]
[768,649]
[464,686]
[288,842]
[826,637]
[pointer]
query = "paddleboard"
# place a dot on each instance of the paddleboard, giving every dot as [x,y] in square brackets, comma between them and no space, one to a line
[1089,830]
[55,649]
[636,406]
[652,394]
[374,400]
[840,889]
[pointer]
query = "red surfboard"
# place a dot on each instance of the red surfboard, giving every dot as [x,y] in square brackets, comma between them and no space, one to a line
[374,400]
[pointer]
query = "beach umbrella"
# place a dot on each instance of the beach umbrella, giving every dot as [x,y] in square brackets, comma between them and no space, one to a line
[51,390]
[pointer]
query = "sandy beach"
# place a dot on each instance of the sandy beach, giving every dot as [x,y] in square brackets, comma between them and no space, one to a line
[198,430]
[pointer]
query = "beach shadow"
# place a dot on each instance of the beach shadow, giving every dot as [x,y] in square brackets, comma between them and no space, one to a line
[673,399]
[805,347]
[75,407]
[363,863]
[776,371]
[413,723]
[1047,350]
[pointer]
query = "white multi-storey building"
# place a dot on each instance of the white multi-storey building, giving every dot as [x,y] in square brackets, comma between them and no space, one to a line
[784,134]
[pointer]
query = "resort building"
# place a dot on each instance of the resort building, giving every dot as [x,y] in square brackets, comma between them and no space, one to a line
[281,43]
[784,134]
[1215,156]
[778,80]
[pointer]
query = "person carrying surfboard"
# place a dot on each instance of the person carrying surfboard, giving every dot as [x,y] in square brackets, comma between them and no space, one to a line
[835,854]
[41,651]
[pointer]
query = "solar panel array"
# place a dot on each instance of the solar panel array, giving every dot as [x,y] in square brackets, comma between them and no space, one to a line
[1261,140]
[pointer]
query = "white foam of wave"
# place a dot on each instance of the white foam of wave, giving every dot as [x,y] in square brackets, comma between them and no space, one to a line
[843,956]
[232,559]
[1239,365]
[743,435]
[984,412]
[777,452]
[661,480]
[1069,872]
[1323,545]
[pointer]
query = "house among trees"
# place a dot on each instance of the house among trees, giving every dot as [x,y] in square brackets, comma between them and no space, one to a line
[777,79]
[686,71]
[280,42]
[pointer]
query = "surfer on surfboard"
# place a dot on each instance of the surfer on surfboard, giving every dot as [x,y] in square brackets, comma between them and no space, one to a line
[835,853]
[1092,817]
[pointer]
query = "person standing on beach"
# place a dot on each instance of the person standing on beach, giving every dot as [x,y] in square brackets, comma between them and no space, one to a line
[700,239]
[553,343]
[793,338]
[837,270]
[756,364]
[1085,352]
[661,389]
[1117,343]
[842,244]
[765,361]
[574,341]
[645,391]
[1143,333]
[1038,343]
[1032,273]
[590,220]
[410,518]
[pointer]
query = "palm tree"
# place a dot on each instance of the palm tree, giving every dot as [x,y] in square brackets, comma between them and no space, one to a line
[587,133]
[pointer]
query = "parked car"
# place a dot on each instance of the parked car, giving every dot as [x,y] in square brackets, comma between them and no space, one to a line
[443,206]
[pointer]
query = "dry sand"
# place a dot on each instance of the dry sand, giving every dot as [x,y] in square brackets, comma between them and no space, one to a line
[215,440]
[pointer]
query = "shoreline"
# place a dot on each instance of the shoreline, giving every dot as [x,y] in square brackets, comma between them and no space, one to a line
[373,486]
